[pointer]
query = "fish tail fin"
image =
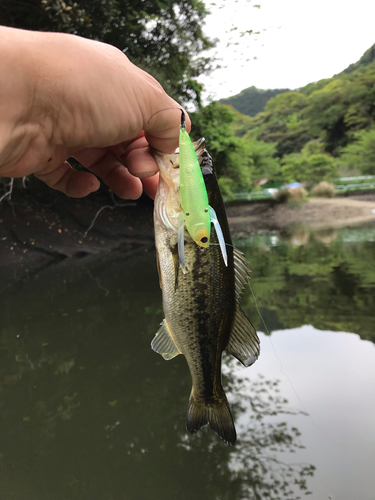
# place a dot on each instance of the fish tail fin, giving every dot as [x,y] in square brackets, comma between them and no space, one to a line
[216,413]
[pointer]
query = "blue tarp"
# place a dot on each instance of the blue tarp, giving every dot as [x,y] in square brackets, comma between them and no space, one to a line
[292,185]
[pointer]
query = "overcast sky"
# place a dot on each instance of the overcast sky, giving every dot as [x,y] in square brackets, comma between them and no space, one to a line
[299,41]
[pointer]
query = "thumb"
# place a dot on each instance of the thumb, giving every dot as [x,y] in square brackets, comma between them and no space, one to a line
[163,127]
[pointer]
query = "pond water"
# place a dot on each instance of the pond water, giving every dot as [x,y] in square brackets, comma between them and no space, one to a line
[89,411]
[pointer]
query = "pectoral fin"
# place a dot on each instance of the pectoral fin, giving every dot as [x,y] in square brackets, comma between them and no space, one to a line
[164,344]
[220,235]
[243,342]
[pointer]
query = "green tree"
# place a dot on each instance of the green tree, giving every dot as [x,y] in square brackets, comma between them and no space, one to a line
[263,157]
[283,123]
[286,103]
[360,112]
[360,154]
[309,169]
[238,160]
[230,154]
[313,147]
[251,101]
[163,37]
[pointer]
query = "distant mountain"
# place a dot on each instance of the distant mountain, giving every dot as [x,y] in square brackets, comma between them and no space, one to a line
[251,101]
[367,58]
[332,111]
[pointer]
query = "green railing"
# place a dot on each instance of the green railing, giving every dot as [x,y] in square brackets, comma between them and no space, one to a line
[342,185]
[361,183]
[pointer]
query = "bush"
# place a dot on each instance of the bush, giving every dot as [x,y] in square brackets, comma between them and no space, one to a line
[282,196]
[291,195]
[324,190]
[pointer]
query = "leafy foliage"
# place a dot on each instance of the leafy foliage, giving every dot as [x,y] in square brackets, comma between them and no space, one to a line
[309,169]
[238,161]
[228,152]
[251,101]
[163,37]
[287,135]
[367,58]
[309,134]
[360,154]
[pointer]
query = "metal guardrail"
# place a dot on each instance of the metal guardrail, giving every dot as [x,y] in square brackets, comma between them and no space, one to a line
[258,195]
[355,186]
[340,188]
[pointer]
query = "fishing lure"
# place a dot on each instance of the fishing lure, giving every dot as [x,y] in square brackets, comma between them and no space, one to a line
[196,213]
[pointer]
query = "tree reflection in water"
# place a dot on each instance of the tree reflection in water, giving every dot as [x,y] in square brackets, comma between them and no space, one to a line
[263,437]
[327,280]
[88,411]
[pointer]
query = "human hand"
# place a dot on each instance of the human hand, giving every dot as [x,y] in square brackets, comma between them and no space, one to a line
[72,97]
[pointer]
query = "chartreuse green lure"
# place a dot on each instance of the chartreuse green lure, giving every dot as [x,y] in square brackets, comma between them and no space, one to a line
[196,213]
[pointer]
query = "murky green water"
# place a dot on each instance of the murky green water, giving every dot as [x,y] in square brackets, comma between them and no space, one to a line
[89,411]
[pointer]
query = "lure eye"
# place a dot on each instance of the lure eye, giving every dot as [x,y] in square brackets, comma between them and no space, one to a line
[201,236]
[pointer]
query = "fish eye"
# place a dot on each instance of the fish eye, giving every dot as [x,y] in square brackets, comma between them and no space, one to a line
[175,164]
[187,213]
[206,210]
[204,239]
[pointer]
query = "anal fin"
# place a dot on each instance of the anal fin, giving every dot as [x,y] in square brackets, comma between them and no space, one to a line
[243,342]
[164,344]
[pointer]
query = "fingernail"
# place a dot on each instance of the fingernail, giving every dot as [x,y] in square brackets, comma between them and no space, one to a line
[143,175]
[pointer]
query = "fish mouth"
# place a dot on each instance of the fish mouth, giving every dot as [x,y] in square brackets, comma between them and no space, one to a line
[168,201]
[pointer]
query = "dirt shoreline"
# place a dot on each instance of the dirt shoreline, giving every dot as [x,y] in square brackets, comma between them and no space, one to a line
[316,214]
[42,228]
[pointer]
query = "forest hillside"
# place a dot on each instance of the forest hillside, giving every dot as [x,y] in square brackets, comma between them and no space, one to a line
[318,132]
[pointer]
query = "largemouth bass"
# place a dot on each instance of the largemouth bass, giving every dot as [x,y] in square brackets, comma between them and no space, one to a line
[200,300]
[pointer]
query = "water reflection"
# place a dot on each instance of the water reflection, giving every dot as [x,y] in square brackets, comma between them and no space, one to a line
[88,411]
[326,280]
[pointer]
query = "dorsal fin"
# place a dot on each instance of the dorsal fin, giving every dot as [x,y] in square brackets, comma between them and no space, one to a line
[241,272]
[243,341]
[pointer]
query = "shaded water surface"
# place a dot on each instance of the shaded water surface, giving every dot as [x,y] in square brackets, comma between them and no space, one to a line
[89,411]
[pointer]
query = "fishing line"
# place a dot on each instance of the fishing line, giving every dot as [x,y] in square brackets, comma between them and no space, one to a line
[282,370]
[274,350]
[290,382]
[164,109]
